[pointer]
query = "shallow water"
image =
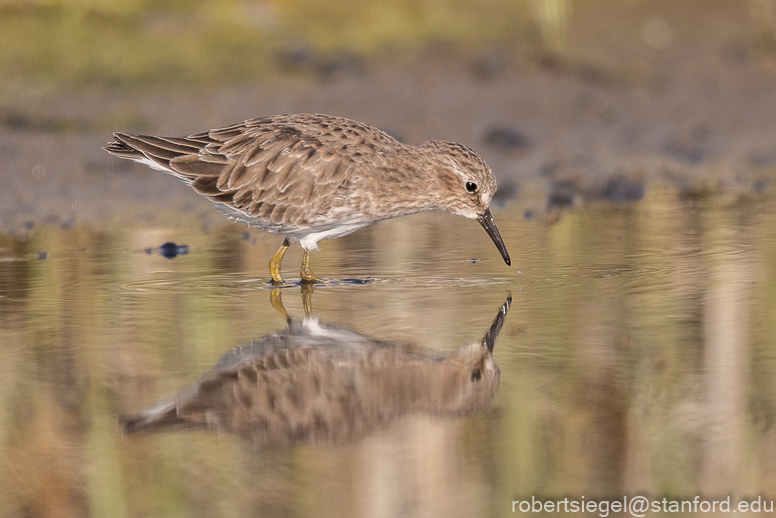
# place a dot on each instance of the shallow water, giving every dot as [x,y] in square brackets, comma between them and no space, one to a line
[637,358]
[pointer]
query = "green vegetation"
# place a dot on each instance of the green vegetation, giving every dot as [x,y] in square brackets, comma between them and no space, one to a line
[153,42]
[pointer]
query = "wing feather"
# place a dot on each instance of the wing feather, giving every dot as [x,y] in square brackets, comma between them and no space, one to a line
[288,170]
[190,166]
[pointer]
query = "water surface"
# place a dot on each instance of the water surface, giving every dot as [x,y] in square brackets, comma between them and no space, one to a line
[638,357]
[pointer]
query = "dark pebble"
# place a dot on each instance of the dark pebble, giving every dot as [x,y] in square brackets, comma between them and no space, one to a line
[560,199]
[622,188]
[171,250]
[507,138]
[763,158]
[492,65]
[343,64]
[296,58]
[42,255]
[14,120]
[507,190]
[690,150]
[564,193]
[356,281]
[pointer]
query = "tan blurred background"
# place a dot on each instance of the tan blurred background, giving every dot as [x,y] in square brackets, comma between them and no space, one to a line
[635,147]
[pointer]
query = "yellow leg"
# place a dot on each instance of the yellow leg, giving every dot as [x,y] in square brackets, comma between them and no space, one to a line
[276,299]
[274,264]
[307,298]
[306,272]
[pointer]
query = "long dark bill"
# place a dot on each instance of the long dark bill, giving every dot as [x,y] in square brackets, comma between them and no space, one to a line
[486,220]
[489,340]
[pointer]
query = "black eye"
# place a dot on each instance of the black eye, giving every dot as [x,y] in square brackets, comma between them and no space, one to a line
[476,375]
[471,186]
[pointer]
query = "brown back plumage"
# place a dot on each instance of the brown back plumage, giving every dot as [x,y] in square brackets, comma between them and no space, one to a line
[288,170]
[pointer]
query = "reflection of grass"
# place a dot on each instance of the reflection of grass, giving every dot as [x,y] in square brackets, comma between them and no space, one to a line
[137,42]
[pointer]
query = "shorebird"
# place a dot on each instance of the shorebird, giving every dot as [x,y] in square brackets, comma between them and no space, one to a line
[314,382]
[313,177]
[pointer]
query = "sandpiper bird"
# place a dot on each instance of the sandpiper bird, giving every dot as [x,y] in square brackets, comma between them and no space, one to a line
[313,177]
[314,382]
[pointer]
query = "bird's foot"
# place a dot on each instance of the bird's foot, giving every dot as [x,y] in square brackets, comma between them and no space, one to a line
[308,277]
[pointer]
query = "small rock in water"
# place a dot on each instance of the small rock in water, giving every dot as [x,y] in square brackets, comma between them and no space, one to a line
[623,188]
[356,281]
[564,193]
[171,250]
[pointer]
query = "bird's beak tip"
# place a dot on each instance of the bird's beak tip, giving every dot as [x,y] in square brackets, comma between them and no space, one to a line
[486,220]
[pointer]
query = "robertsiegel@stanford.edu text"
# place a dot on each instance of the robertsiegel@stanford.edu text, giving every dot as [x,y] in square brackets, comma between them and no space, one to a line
[638,506]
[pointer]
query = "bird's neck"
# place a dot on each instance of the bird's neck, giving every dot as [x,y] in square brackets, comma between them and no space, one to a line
[415,185]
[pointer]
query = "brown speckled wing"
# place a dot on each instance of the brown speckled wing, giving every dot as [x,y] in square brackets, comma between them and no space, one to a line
[287,170]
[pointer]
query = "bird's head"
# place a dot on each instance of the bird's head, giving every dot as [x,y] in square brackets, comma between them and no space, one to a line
[467,186]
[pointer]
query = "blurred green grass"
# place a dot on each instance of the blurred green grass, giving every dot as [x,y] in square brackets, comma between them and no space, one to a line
[58,44]
[133,43]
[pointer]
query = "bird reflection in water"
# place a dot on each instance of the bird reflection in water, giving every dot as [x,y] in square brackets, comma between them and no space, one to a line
[315,382]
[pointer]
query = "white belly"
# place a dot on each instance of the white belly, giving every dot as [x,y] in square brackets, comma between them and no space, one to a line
[310,241]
